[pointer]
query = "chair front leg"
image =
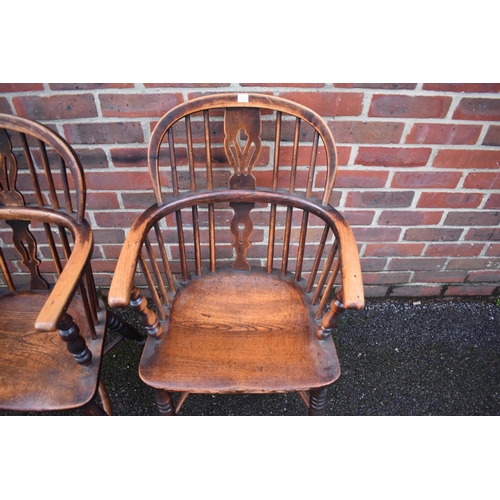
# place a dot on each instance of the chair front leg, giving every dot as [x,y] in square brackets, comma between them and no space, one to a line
[317,401]
[165,403]
[115,323]
[93,409]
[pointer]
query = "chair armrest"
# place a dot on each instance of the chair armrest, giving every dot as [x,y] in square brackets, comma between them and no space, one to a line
[123,277]
[352,280]
[352,283]
[74,269]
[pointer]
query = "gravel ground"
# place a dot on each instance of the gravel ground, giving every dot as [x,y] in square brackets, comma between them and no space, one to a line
[398,357]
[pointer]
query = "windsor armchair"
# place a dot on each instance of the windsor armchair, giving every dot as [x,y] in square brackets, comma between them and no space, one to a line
[232,250]
[48,299]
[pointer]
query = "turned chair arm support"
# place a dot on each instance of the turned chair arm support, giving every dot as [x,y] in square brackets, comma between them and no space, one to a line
[352,285]
[74,269]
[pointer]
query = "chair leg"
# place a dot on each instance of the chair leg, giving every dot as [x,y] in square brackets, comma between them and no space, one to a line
[317,405]
[164,402]
[93,409]
[119,326]
[106,402]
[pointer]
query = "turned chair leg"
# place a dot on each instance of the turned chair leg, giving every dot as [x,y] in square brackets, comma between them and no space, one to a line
[317,402]
[93,409]
[106,402]
[119,326]
[164,402]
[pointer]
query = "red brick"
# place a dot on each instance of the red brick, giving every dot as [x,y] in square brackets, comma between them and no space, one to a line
[335,198]
[112,252]
[385,86]
[493,201]
[64,106]
[493,250]
[296,85]
[404,106]
[136,105]
[482,180]
[467,158]
[373,264]
[477,263]
[409,218]
[462,87]
[185,85]
[356,178]
[20,87]
[104,133]
[432,234]
[483,234]
[417,264]
[92,158]
[108,235]
[103,265]
[478,218]
[449,200]
[286,153]
[129,157]
[5,106]
[358,217]
[114,181]
[89,86]
[379,199]
[492,137]
[394,250]
[485,275]
[416,291]
[138,200]
[104,201]
[470,290]
[329,103]
[477,108]
[357,132]
[454,249]
[364,234]
[423,180]
[386,278]
[393,157]
[116,219]
[375,291]
[441,133]
[439,277]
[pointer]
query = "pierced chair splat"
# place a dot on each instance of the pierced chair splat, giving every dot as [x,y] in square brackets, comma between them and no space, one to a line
[241,254]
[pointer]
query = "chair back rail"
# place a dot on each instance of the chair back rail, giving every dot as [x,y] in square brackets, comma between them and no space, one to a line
[199,142]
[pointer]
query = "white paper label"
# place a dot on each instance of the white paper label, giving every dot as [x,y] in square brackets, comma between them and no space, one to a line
[242,97]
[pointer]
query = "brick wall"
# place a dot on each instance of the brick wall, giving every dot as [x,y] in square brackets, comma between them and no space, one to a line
[419,175]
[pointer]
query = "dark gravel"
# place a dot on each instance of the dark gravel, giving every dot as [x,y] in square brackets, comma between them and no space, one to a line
[398,357]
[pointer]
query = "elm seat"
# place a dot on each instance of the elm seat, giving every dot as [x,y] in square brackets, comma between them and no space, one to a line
[50,364]
[211,339]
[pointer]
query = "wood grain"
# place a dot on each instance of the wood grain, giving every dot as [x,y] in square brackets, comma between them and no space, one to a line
[239,332]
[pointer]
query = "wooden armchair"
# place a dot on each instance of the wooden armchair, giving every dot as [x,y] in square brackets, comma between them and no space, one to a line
[241,254]
[48,299]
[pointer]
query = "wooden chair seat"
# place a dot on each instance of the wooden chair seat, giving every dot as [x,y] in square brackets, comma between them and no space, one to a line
[236,331]
[37,371]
